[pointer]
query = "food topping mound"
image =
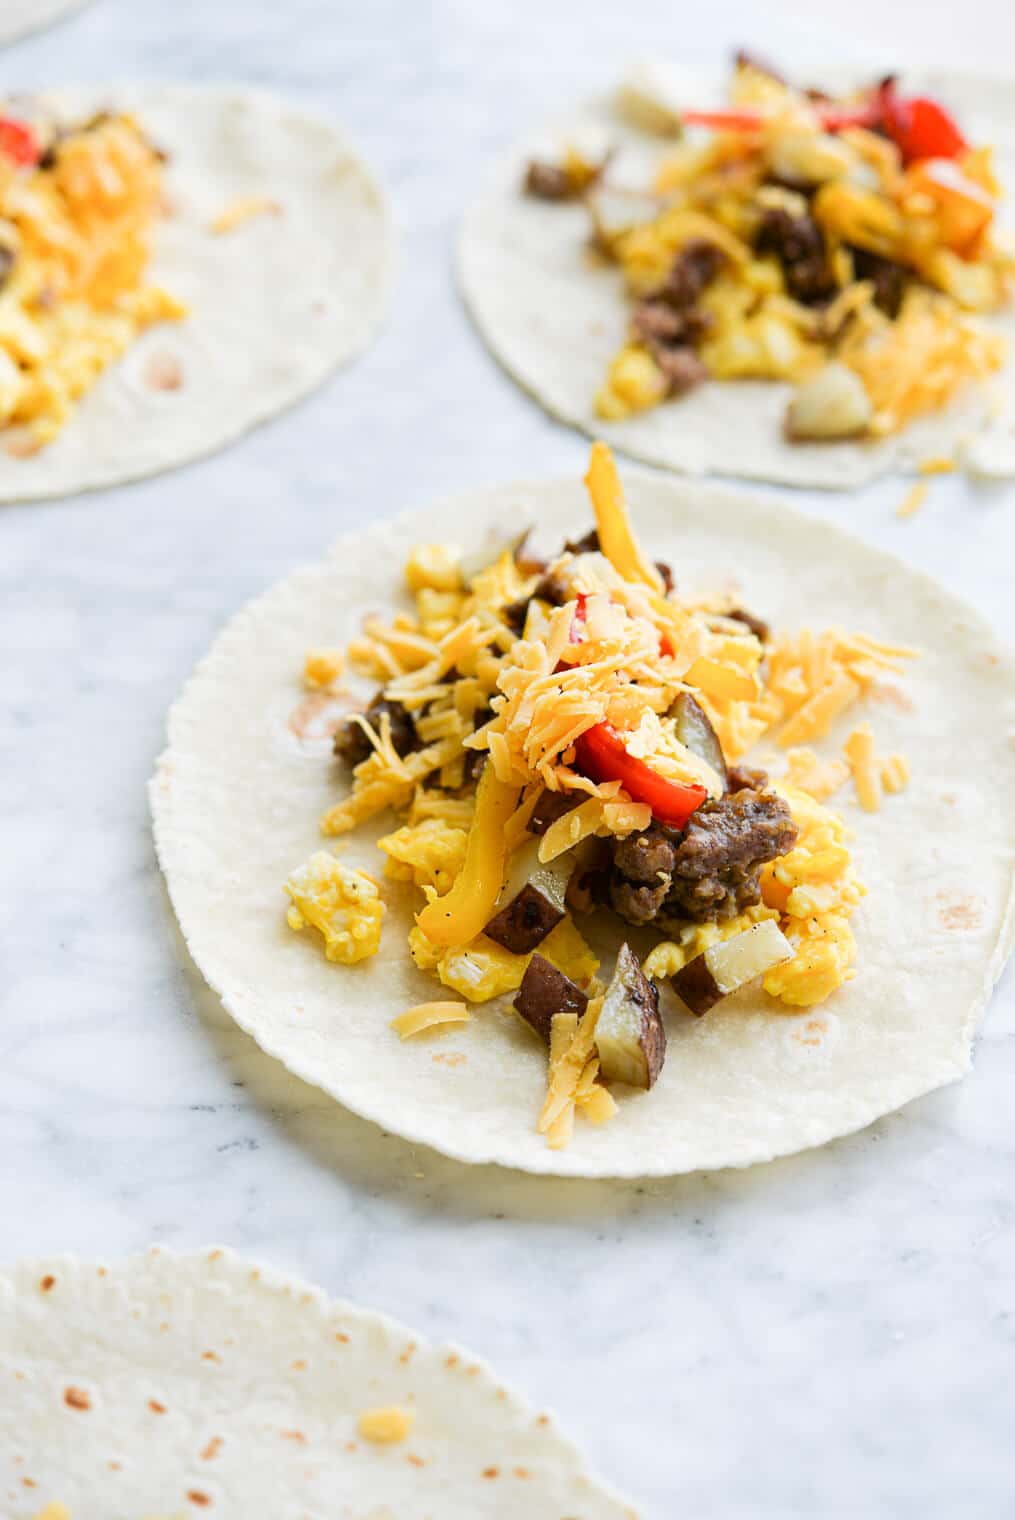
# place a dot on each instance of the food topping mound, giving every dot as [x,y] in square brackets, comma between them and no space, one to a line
[566,737]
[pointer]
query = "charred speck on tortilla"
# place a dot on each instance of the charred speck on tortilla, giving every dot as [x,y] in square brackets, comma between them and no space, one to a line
[611,714]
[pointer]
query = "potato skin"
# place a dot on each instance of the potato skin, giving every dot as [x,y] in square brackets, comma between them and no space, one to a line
[524,922]
[696,987]
[544,992]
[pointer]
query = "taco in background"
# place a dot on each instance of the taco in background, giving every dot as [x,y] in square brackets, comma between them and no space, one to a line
[167,1384]
[176,265]
[665,838]
[793,285]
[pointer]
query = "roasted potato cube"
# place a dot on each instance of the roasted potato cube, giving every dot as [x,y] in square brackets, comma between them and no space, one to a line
[725,967]
[695,731]
[531,902]
[544,993]
[630,1036]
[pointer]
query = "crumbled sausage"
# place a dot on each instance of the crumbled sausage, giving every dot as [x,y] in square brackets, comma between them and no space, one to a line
[351,743]
[799,244]
[757,625]
[887,277]
[710,870]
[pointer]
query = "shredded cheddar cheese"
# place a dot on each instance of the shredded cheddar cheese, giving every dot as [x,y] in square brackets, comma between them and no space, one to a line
[866,771]
[429,1016]
[322,668]
[244,209]
[386,1427]
[913,499]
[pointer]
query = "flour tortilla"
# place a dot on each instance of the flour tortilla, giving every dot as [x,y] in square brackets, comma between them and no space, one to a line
[207,1376]
[237,796]
[275,306]
[554,317]
[19,18]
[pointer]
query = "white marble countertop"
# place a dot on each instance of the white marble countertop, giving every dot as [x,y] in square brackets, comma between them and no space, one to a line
[829,1335]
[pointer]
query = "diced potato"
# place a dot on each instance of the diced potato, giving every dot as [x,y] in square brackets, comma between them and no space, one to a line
[725,967]
[832,404]
[630,1036]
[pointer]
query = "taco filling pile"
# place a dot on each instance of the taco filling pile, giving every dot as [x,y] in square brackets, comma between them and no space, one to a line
[844,245]
[78,211]
[565,740]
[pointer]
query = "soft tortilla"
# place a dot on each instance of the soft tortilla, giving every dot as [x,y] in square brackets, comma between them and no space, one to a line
[275,306]
[237,797]
[19,18]
[173,1384]
[554,318]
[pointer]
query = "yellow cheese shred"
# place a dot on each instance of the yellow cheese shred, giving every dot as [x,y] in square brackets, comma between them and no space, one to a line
[863,763]
[429,1016]
[386,1427]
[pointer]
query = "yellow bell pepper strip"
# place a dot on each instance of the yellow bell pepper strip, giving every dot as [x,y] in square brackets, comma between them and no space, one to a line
[464,911]
[616,539]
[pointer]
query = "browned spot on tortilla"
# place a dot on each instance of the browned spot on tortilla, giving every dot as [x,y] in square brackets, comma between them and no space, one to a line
[76,1398]
[959,912]
[949,798]
[318,715]
[448,1058]
[351,1446]
[101,1272]
[522,1472]
[210,1356]
[47,1282]
[812,1033]
[29,1483]
[156,1407]
[215,1255]
[212,1449]
[472,1371]
[416,1461]
[163,372]
[341,1336]
[114,1466]
[407,1354]
[197,1497]
[298,1366]
[451,1360]
[542,1419]
[891,696]
[294,1435]
[491,1472]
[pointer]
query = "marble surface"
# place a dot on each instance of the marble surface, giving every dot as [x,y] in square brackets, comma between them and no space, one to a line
[829,1335]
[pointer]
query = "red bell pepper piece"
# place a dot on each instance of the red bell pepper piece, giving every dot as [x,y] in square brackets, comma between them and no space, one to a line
[18,141]
[601,755]
[578,621]
[725,121]
[918,126]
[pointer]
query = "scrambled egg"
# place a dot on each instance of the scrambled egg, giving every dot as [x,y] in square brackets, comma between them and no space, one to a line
[78,236]
[430,853]
[344,905]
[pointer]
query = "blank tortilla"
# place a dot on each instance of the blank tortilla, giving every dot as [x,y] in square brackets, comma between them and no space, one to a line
[166,1384]
[237,797]
[275,305]
[554,318]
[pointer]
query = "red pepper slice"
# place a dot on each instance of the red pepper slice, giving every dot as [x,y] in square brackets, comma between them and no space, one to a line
[578,621]
[921,128]
[601,755]
[18,141]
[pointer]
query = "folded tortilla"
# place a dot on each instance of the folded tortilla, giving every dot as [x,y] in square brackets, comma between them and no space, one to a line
[18,18]
[182,1384]
[248,773]
[554,317]
[275,305]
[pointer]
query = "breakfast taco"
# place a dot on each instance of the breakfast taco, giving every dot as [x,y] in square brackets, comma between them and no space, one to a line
[176,265]
[170,1384]
[663,837]
[791,285]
